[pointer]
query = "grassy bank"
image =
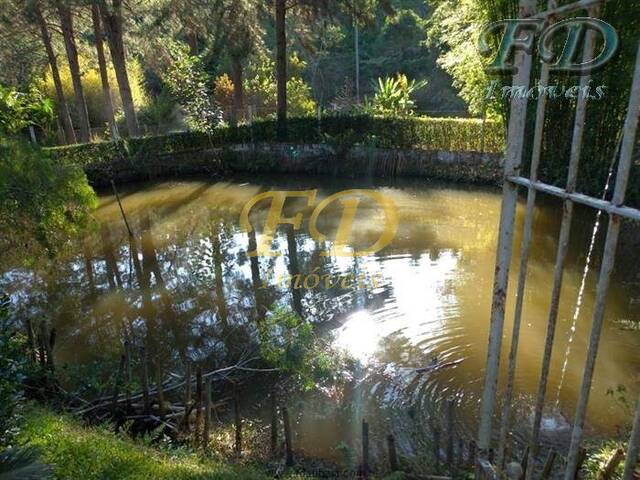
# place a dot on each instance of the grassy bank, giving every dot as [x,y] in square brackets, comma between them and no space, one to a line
[96,453]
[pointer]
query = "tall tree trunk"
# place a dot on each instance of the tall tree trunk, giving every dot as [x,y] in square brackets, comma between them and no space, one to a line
[281,67]
[104,73]
[63,108]
[112,20]
[238,89]
[66,22]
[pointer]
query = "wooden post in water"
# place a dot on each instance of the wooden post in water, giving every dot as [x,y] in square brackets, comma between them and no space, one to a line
[187,398]
[365,449]
[393,455]
[160,389]
[127,391]
[548,465]
[274,424]
[116,387]
[472,454]
[450,435]
[199,395]
[238,421]
[287,438]
[436,447]
[207,416]
[524,462]
[145,381]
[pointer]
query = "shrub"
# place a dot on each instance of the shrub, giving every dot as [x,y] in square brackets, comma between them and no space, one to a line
[40,199]
[92,86]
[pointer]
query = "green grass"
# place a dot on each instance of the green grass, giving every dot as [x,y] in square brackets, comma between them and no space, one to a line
[78,452]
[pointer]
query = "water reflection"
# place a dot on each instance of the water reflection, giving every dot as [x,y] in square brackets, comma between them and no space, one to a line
[184,286]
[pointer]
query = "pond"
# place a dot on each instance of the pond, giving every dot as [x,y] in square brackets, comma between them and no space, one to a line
[422,301]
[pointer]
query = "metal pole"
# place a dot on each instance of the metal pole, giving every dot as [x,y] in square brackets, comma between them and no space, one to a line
[524,259]
[563,247]
[356,34]
[608,259]
[513,161]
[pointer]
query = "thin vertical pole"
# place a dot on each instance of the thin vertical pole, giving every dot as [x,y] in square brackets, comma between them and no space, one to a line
[238,421]
[207,415]
[356,35]
[450,460]
[393,454]
[365,449]
[187,396]
[274,424]
[561,256]
[436,447]
[608,259]
[524,262]
[513,161]
[145,381]
[287,438]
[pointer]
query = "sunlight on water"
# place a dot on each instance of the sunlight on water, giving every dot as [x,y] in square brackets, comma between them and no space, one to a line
[417,327]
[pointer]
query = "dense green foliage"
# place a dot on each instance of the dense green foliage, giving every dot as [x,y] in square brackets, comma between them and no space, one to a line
[40,199]
[13,369]
[394,96]
[19,110]
[99,454]
[428,133]
[188,82]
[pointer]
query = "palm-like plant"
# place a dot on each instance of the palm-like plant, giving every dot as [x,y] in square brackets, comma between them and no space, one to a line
[23,464]
[393,95]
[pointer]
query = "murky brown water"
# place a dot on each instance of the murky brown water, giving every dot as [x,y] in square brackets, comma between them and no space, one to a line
[430,299]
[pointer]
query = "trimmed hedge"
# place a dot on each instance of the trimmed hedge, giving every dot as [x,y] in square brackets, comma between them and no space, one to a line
[424,133]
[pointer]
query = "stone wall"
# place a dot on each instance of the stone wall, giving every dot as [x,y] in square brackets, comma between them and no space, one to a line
[311,159]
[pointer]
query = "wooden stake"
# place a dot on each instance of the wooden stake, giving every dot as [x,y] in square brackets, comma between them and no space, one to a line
[160,389]
[365,449]
[145,381]
[127,353]
[199,395]
[393,455]
[436,447]
[525,461]
[207,416]
[238,422]
[274,424]
[116,388]
[187,398]
[32,341]
[460,452]
[449,413]
[287,438]
[548,464]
